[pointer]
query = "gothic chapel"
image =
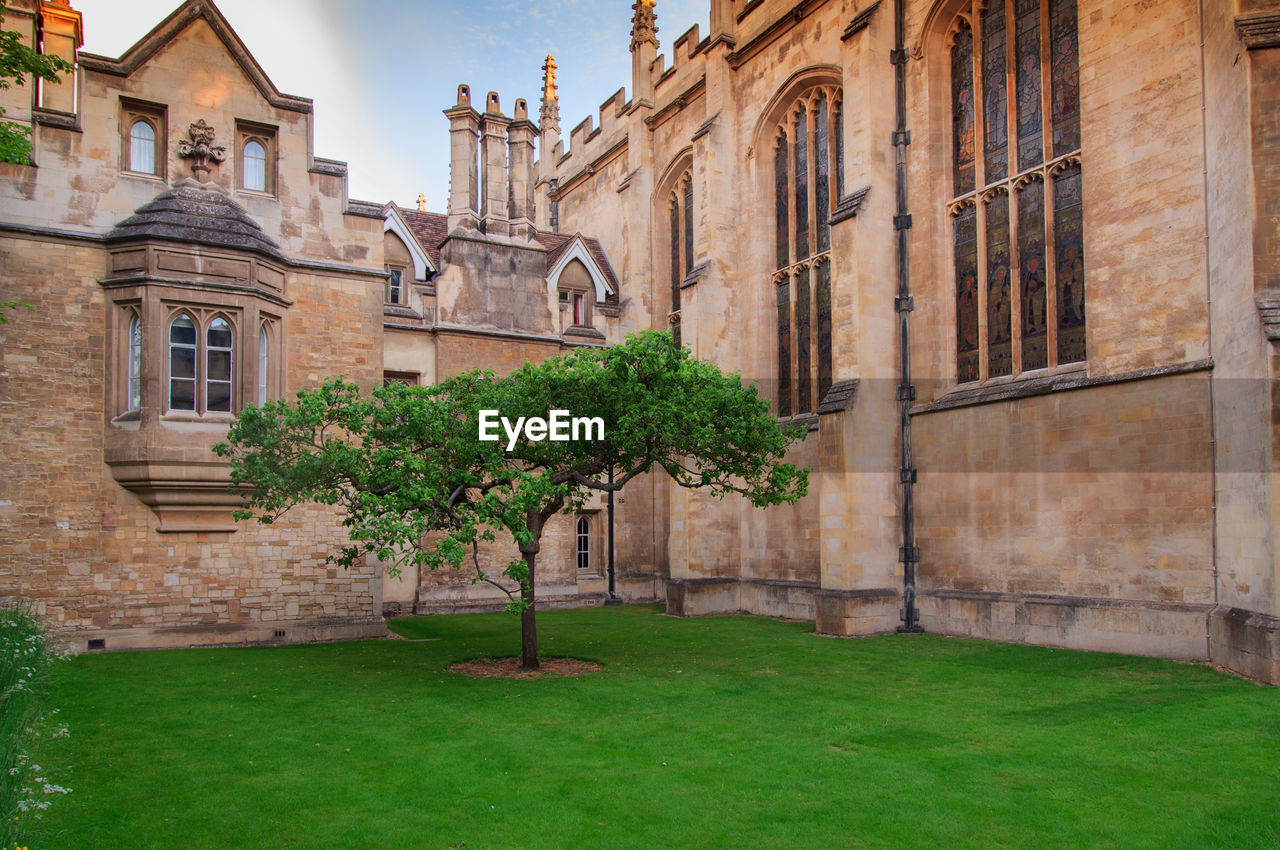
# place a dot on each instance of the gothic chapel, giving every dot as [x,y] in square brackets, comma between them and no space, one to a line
[1015,265]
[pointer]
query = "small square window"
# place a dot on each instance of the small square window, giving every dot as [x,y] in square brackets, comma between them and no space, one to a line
[143,134]
[255,157]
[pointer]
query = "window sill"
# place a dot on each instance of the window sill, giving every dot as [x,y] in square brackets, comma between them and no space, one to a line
[197,418]
[256,193]
[1041,382]
[142,175]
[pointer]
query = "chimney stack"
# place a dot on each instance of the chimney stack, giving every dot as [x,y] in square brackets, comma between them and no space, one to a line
[494,218]
[62,35]
[520,138]
[464,201]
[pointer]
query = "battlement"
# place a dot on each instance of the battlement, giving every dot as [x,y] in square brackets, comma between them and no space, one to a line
[588,142]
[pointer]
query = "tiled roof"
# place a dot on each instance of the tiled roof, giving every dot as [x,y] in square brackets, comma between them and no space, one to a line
[430,229]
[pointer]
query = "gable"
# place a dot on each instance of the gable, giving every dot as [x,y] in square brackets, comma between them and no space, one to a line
[202,13]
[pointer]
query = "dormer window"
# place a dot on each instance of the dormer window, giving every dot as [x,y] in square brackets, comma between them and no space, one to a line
[577,294]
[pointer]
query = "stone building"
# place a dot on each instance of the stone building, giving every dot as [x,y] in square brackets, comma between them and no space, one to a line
[1015,264]
[186,253]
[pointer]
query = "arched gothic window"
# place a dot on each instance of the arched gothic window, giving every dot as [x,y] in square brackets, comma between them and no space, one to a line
[142,147]
[681,219]
[200,364]
[182,363]
[1016,176]
[255,166]
[584,543]
[133,399]
[263,370]
[808,167]
[217,373]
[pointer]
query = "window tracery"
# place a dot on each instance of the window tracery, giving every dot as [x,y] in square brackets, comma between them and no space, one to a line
[1016,209]
[808,165]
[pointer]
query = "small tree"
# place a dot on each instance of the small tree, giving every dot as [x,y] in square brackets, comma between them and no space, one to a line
[418,486]
[16,61]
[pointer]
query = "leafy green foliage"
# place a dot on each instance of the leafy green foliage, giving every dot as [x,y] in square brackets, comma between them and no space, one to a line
[27,656]
[418,486]
[16,61]
[10,305]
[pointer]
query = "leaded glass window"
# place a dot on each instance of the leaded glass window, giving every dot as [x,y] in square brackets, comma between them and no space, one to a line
[680,205]
[808,162]
[182,363]
[217,373]
[134,399]
[1017,225]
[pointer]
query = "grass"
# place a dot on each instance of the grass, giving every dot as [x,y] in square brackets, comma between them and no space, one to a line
[719,732]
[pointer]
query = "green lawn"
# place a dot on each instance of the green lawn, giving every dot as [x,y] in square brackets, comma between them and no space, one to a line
[717,732]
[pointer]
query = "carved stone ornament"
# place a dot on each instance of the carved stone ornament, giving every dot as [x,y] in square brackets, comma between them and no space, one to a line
[201,149]
[644,27]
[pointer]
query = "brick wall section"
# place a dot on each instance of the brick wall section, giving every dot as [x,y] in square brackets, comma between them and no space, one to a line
[85,548]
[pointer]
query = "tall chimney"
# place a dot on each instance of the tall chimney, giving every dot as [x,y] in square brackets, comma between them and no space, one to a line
[464,202]
[520,136]
[494,218]
[61,34]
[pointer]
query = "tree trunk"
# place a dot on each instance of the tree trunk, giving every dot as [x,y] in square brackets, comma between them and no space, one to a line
[528,621]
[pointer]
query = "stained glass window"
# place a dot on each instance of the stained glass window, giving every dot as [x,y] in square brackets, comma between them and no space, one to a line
[784,347]
[1065,60]
[821,174]
[966,252]
[1020,302]
[962,125]
[1031,266]
[675,256]
[807,168]
[1030,136]
[999,298]
[800,148]
[995,111]
[1068,250]
[822,296]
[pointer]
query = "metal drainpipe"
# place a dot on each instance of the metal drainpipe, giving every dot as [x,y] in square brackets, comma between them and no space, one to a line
[909,554]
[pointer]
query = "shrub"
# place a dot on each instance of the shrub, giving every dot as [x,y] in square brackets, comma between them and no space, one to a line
[27,656]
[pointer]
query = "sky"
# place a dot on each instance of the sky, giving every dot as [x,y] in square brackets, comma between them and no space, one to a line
[382,73]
